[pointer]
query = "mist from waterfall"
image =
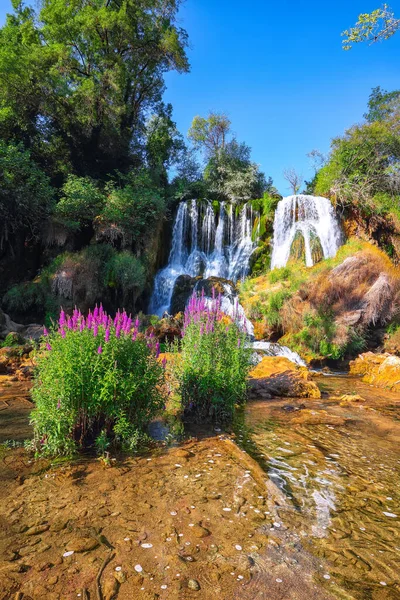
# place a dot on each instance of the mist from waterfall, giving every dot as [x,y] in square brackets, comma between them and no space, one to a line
[311,217]
[208,244]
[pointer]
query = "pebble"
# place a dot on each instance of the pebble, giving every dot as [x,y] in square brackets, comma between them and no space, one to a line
[238,547]
[147,545]
[388,514]
[193,584]
[138,568]
[326,576]
[227,509]
[278,580]
[69,553]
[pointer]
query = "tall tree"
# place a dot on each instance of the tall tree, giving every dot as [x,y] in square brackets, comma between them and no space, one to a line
[210,134]
[82,75]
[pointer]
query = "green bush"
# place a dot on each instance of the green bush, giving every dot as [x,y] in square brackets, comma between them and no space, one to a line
[97,381]
[213,364]
[80,203]
[282,274]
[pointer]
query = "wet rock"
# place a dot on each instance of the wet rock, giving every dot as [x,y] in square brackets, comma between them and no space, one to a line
[381,370]
[110,588]
[350,398]
[59,525]
[120,576]
[278,376]
[82,544]
[37,529]
[193,584]
[199,531]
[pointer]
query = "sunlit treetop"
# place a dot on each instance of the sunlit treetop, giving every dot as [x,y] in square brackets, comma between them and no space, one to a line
[372,27]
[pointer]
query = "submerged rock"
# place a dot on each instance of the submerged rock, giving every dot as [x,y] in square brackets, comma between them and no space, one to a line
[278,376]
[382,370]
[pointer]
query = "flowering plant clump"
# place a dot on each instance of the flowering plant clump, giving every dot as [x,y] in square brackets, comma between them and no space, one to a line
[214,361]
[97,378]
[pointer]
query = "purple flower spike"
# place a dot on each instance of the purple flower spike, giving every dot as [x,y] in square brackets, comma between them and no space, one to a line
[99,350]
[59,404]
[95,329]
[45,332]
[63,334]
[48,347]
[157,349]
[107,335]
[238,343]
[62,318]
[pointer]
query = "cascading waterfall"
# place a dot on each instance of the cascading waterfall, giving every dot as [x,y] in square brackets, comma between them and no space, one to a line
[206,244]
[311,217]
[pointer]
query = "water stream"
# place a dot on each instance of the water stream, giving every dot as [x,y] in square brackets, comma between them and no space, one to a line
[310,217]
[206,243]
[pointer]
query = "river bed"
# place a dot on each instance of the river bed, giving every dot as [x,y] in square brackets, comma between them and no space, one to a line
[299,501]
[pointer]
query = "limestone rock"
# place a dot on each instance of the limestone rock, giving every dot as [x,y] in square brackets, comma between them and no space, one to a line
[382,370]
[278,376]
[78,544]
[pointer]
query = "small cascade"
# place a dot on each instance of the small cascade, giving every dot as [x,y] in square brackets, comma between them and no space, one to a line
[206,243]
[310,220]
[272,349]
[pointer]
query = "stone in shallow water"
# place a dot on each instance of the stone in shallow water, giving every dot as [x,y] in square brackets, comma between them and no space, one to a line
[194,585]
[82,544]
[199,531]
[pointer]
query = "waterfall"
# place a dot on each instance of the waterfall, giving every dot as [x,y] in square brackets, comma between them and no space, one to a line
[208,244]
[310,217]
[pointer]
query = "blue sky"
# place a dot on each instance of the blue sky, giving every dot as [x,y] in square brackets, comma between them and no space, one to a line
[277,69]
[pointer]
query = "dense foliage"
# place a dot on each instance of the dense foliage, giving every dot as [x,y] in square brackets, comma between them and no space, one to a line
[214,361]
[96,273]
[25,196]
[97,380]
[362,172]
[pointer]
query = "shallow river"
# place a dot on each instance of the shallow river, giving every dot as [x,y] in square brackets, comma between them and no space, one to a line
[301,502]
[338,464]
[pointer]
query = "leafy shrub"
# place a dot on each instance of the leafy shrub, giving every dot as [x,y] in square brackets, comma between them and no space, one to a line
[97,380]
[130,211]
[80,202]
[214,361]
[282,274]
[12,340]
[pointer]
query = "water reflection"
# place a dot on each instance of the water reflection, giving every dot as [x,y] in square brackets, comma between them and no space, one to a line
[338,464]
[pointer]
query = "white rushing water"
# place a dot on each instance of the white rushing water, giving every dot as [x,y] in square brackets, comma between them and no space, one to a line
[309,216]
[273,349]
[207,244]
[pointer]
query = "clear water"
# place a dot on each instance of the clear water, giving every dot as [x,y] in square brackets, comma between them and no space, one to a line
[338,467]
